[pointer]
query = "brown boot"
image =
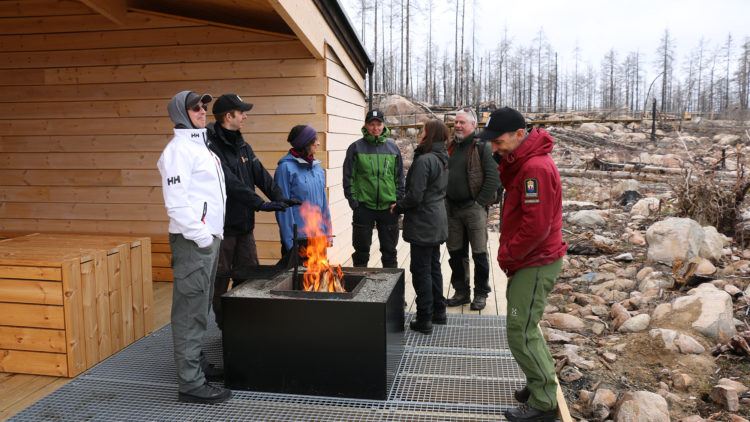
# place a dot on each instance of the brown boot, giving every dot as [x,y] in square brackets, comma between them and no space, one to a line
[458,299]
[479,303]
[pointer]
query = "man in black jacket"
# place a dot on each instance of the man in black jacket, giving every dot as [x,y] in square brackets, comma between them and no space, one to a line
[243,171]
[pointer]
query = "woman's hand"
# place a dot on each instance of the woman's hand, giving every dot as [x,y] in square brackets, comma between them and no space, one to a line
[393,205]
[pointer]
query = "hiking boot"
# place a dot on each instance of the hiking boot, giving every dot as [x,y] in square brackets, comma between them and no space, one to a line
[522,394]
[526,413]
[458,299]
[479,303]
[213,373]
[424,327]
[205,394]
[439,319]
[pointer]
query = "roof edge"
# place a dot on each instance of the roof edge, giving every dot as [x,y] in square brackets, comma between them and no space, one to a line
[339,22]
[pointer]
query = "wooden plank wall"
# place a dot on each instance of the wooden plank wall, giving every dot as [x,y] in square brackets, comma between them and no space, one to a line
[85,118]
[345,108]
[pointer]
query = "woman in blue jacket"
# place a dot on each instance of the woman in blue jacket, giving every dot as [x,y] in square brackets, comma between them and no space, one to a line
[300,177]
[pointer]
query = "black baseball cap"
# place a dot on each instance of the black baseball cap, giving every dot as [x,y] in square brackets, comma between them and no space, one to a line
[193,99]
[502,120]
[375,114]
[229,102]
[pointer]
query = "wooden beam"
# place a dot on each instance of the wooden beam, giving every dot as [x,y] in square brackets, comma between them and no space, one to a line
[114,10]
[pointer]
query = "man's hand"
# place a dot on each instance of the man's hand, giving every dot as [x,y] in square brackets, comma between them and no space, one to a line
[274,206]
[291,202]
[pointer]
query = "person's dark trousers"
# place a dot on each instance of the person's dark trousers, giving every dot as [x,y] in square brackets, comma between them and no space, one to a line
[457,260]
[481,274]
[363,221]
[237,254]
[427,280]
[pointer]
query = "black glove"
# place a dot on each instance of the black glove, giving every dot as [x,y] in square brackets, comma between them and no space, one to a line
[292,202]
[274,206]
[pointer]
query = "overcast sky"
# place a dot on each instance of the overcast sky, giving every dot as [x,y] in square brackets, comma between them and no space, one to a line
[596,25]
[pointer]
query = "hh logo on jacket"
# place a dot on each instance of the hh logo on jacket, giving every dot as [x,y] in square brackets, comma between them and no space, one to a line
[173,180]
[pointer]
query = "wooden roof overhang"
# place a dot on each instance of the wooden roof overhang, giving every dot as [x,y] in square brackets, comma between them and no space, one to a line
[286,18]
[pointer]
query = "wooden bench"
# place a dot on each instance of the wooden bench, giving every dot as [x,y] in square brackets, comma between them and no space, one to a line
[69,301]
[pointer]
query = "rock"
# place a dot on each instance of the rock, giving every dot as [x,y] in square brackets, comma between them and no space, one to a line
[556,336]
[725,396]
[643,273]
[716,317]
[599,310]
[627,257]
[637,239]
[609,356]
[674,238]
[704,267]
[585,397]
[663,386]
[586,218]
[565,322]
[677,342]
[713,244]
[578,205]
[732,289]
[550,309]
[569,374]
[642,406]
[682,381]
[601,411]
[598,328]
[628,185]
[736,418]
[692,418]
[655,280]
[635,324]
[645,206]
[727,139]
[570,351]
[740,387]
[594,128]
[661,310]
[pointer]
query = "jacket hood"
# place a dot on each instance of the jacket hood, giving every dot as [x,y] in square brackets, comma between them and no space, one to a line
[376,140]
[178,113]
[538,142]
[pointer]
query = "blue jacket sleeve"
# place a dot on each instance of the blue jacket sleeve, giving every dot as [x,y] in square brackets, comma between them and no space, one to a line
[285,219]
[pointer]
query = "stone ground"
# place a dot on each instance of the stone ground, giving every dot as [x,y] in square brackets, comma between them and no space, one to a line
[612,291]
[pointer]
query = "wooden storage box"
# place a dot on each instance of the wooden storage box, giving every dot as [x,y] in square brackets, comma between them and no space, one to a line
[69,301]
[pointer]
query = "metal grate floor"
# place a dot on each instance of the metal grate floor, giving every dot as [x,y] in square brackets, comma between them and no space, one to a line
[462,372]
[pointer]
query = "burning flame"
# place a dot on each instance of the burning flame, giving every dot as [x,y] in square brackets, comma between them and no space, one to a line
[320,276]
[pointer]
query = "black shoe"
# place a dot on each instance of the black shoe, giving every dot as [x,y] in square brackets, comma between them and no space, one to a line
[424,327]
[479,303]
[213,373]
[526,413]
[459,299]
[205,394]
[439,319]
[522,394]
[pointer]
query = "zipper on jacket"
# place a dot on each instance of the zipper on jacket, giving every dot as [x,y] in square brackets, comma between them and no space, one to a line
[220,177]
[377,197]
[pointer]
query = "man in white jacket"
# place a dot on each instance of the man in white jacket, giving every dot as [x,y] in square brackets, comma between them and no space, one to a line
[194,194]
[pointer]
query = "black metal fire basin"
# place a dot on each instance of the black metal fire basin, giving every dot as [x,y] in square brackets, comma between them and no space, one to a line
[284,341]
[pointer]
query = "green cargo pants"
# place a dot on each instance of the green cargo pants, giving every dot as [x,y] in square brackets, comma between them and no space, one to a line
[194,273]
[527,296]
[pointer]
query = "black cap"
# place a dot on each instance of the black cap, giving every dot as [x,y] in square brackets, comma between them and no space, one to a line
[375,114]
[229,102]
[502,120]
[193,99]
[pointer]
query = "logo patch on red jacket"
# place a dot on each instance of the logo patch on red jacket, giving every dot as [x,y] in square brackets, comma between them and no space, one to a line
[531,191]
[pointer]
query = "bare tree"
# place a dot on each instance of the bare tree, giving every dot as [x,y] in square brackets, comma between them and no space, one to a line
[665,52]
[728,56]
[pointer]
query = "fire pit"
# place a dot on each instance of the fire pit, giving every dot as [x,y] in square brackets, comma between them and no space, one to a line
[346,344]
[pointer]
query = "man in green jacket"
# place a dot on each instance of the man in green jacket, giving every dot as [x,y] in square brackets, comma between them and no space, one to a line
[473,181]
[373,180]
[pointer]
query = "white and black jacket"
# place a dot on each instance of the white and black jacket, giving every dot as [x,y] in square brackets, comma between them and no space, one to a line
[193,186]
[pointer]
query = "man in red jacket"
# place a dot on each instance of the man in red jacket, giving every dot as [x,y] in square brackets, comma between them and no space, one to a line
[531,251]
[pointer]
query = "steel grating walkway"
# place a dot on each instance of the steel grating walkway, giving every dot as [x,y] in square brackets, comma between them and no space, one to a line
[462,372]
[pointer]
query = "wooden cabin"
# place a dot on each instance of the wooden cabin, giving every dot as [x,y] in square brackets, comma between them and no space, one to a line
[86,84]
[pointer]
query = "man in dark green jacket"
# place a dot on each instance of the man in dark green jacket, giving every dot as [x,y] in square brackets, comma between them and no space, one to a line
[373,180]
[473,181]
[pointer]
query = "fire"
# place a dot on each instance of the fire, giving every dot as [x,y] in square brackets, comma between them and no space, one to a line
[320,276]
